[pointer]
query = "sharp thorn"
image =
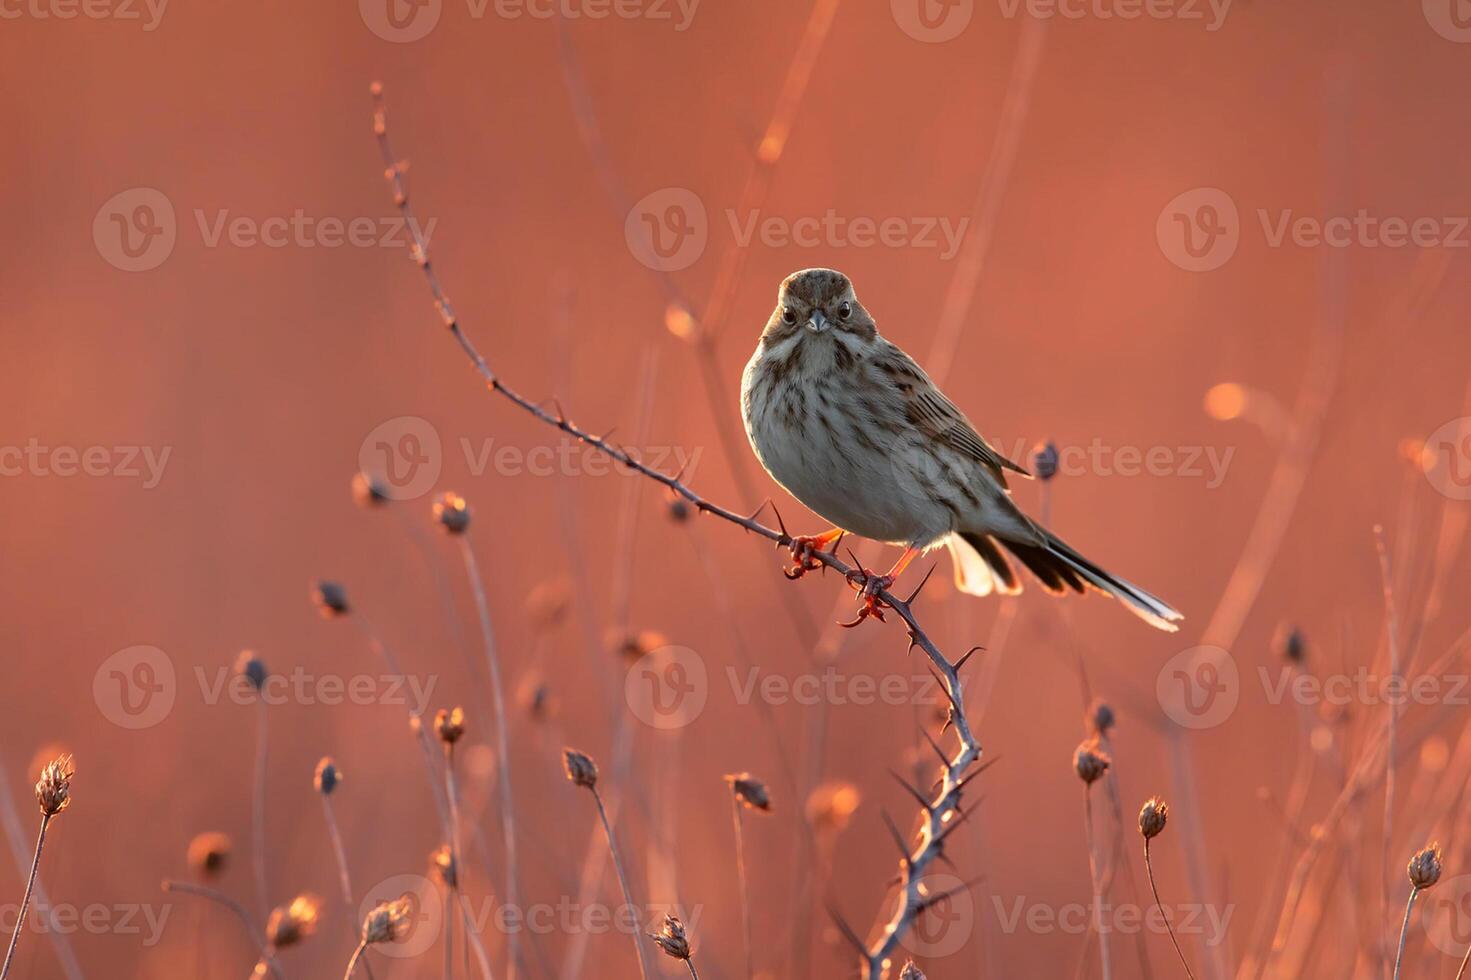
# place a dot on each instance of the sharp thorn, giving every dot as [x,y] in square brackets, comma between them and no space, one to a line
[924,803]
[921,585]
[961,662]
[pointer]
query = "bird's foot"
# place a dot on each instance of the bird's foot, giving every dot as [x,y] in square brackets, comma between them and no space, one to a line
[868,586]
[804,550]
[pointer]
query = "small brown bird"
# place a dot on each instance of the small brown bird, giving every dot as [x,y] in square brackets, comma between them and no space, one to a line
[853,428]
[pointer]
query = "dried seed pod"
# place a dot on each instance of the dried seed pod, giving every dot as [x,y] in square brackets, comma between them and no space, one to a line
[290,924]
[331,599]
[671,938]
[209,853]
[442,861]
[1090,762]
[1101,718]
[750,791]
[53,789]
[1045,460]
[452,513]
[252,668]
[1424,868]
[580,768]
[1152,817]
[388,922]
[449,724]
[327,776]
[369,491]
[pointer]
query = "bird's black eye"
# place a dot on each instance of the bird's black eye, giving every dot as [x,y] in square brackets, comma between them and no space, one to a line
[788,315]
[845,311]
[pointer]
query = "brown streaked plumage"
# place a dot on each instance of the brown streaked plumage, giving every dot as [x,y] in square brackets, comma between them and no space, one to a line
[851,426]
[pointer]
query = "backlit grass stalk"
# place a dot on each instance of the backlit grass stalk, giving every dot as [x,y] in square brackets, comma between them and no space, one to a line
[235,909]
[326,778]
[454,517]
[1152,819]
[53,795]
[582,771]
[1090,763]
[1424,872]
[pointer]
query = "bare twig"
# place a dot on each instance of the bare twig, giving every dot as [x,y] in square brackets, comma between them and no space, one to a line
[234,907]
[943,812]
[25,902]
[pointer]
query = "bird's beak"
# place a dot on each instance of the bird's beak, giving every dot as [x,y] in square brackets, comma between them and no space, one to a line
[817,323]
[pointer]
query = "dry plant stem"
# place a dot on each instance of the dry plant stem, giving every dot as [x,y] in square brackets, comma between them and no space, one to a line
[19,839]
[357,954]
[1095,872]
[691,964]
[944,805]
[1465,960]
[740,856]
[502,746]
[258,808]
[1404,931]
[638,944]
[1391,627]
[457,858]
[25,902]
[344,880]
[220,898]
[1149,869]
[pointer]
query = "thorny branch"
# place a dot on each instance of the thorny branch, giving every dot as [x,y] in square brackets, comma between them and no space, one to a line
[942,813]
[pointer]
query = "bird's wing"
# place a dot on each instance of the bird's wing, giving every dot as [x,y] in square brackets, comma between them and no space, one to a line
[927,408]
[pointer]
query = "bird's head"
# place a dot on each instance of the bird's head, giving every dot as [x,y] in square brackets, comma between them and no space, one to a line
[819,303]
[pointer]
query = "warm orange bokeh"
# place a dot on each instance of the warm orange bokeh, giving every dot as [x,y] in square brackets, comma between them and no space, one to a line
[1166,227]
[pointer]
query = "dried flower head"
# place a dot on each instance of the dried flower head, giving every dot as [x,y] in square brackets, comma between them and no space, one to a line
[1090,762]
[1045,460]
[369,491]
[331,599]
[1100,717]
[580,768]
[831,805]
[1152,817]
[449,724]
[679,510]
[53,789]
[327,776]
[750,791]
[1424,868]
[1290,643]
[290,924]
[442,861]
[252,668]
[535,696]
[389,922]
[911,972]
[672,939]
[452,513]
[633,646]
[209,853]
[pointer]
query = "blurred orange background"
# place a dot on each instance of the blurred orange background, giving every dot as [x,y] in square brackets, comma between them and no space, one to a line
[270,373]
